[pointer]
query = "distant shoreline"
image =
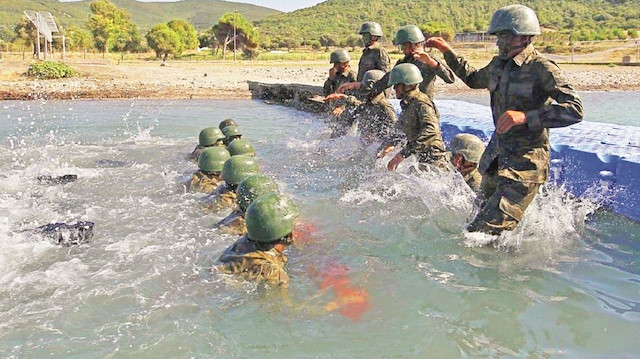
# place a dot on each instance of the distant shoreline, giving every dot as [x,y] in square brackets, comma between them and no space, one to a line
[228,80]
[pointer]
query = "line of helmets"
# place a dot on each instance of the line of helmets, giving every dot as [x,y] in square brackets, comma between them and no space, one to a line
[228,170]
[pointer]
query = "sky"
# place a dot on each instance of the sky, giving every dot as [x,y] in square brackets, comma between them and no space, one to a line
[282,5]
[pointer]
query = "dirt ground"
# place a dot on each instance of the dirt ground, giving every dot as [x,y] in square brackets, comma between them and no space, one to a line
[228,80]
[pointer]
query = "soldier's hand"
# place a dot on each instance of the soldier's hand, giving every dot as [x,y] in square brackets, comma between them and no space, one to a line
[385,151]
[425,59]
[395,161]
[334,96]
[348,87]
[338,111]
[509,119]
[439,43]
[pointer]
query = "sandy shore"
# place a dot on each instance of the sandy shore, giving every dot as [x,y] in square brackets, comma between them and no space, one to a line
[228,80]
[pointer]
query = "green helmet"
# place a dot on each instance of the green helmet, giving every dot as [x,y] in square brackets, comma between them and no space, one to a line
[231,130]
[372,28]
[227,122]
[518,19]
[212,159]
[241,147]
[239,167]
[408,33]
[270,217]
[253,187]
[209,136]
[406,73]
[340,55]
[370,77]
[467,145]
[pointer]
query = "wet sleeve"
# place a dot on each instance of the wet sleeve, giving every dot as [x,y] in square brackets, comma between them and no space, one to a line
[328,87]
[428,132]
[565,110]
[474,78]
[444,71]
[380,86]
[271,273]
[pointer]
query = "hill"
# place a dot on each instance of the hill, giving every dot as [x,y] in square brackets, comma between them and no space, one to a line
[343,17]
[201,13]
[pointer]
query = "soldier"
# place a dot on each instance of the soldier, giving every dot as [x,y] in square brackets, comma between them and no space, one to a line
[227,122]
[529,95]
[231,133]
[341,71]
[466,150]
[258,255]
[411,40]
[241,147]
[376,117]
[208,137]
[248,190]
[210,164]
[234,170]
[374,56]
[420,120]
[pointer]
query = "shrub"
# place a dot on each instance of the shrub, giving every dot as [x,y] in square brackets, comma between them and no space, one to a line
[50,70]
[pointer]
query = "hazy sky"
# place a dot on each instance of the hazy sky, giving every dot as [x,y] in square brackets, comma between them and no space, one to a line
[282,5]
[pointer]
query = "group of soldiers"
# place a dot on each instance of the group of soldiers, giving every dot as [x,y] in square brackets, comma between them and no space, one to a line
[262,216]
[529,94]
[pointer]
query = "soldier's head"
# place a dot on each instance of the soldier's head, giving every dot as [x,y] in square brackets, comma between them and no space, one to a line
[271,219]
[212,160]
[466,151]
[404,78]
[241,147]
[253,187]
[371,32]
[237,168]
[340,59]
[410,39]
[369,78]
[231,133]
[211,136]
[227,122]
[515,26]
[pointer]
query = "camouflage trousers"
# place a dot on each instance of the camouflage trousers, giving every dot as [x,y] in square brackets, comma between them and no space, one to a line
[506,201]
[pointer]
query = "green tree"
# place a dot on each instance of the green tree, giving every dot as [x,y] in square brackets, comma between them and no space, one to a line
[246,35]
[351,41]
[164,41]
[26,33]
[186,31]
[436,28]
[112,27]
[79,38]
[327,40]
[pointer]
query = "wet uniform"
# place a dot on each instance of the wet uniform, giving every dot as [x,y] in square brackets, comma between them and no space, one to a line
[330,86]
[374,57]
[256,261]
[234,223]
[420,122]
[376,118]
[204,182]
[223,198]
[427,85]
[516,163]
[474,180]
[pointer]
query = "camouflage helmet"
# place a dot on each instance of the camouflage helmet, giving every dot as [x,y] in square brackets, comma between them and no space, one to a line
[212,159]
[339,55]
[518,19]
[467,145]
[370,77]
[209,136]
[241,147]
[372,28]
[253,187]
[227,122]
[231,130]
[406,73]
[239,167]
[408,33]
[270,217]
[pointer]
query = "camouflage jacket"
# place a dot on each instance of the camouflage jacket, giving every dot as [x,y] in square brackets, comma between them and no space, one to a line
[255,261]
[374,57]
[535,85]
[427,85]
[222,198]
[420,122]
[376,118]
[234,223]
[204,182]
[330,86]
[474,180]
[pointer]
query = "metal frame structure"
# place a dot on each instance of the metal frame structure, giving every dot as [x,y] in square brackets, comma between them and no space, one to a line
[45,25]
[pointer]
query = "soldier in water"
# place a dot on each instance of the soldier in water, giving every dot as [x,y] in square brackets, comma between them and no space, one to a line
[209,137]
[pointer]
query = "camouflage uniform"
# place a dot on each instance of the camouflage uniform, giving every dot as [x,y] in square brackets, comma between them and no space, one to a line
[376,118]
[257,261]
[374,57]
[516,163]
[193,156]
[223,198]
[420,122]
[428,76]
[204,182]
[474,180]
[330,86]
[234,223]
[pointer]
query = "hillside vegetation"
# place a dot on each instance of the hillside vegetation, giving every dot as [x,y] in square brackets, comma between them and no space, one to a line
[201,13]
[587,19]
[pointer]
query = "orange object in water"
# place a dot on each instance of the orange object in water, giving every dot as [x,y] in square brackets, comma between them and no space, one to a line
[351,302]
[304,232]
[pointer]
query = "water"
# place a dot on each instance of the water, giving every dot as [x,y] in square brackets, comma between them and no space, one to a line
[565,284]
